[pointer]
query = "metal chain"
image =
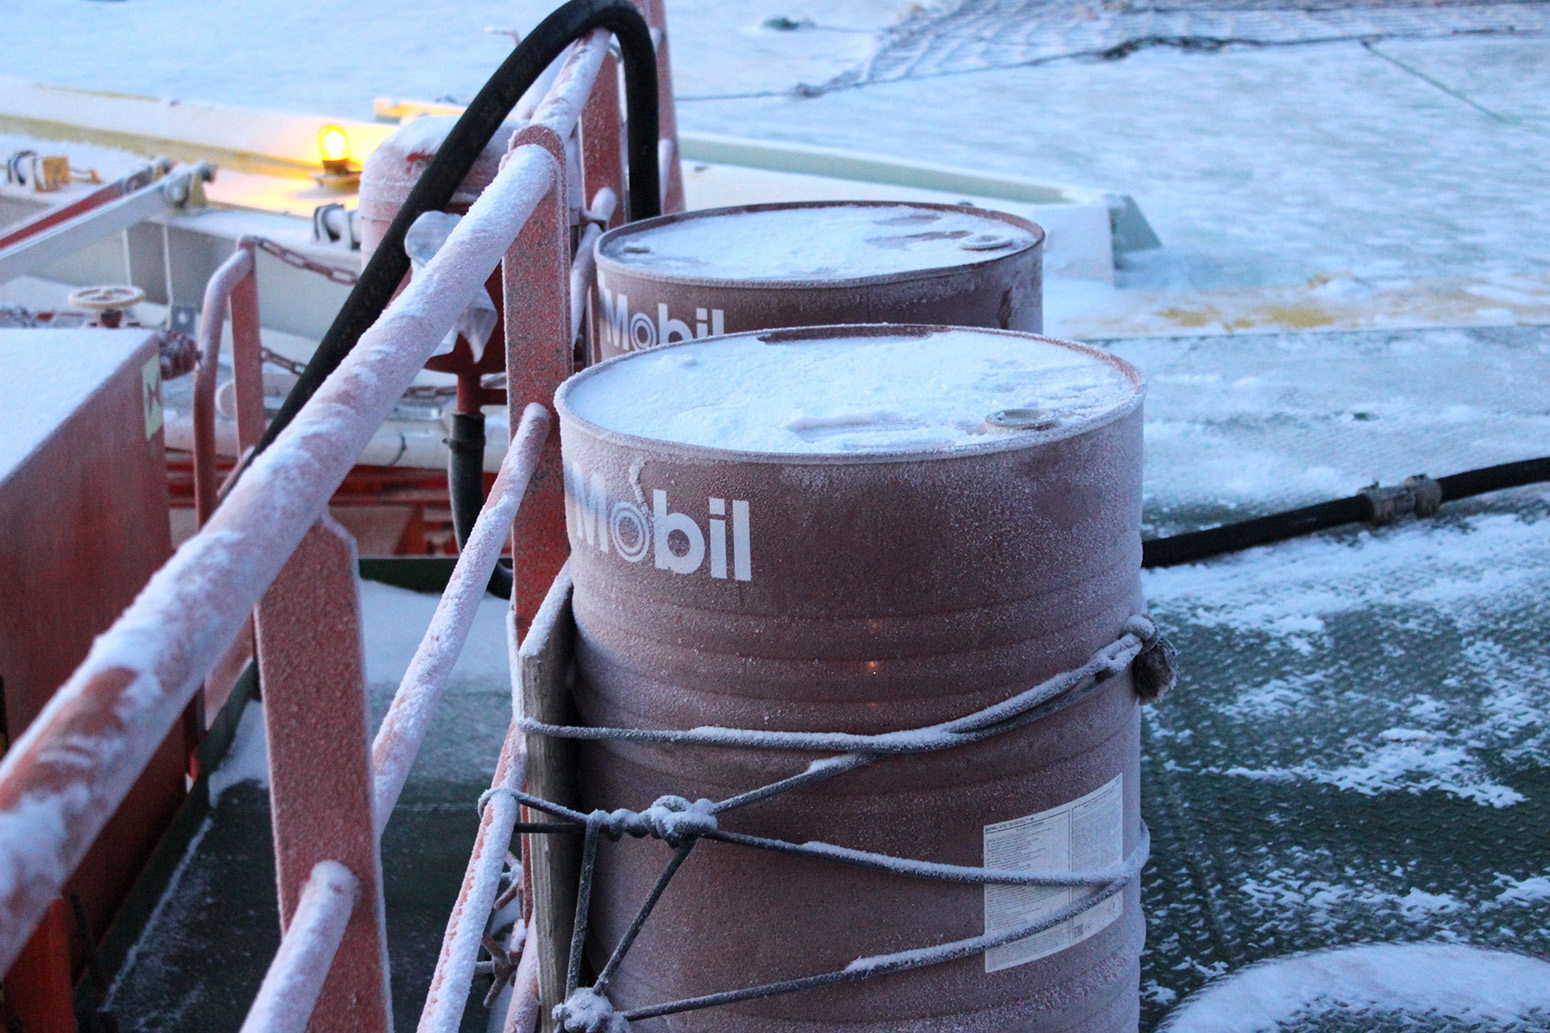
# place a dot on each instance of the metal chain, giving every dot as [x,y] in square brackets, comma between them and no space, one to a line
[345,278]
[297,260]
[274,358]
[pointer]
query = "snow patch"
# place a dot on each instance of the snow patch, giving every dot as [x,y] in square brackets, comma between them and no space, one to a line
[831,243]
[248,758]
[1524,891]
[1451,980]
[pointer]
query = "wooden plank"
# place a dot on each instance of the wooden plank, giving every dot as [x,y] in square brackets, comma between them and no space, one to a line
[551,861]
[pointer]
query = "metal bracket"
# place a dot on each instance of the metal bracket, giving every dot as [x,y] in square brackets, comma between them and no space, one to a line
[1419,495]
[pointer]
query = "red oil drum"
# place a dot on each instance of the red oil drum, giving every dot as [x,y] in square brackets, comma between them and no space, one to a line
[726,270]
[392,170]
[861,529]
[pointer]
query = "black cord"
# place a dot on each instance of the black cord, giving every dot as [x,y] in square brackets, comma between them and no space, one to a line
[465,488]
[1199,545]
[455,159]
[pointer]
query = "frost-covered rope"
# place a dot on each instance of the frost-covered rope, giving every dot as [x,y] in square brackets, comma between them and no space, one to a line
[682,823]
[900,961]
[656,822]
[1138,635]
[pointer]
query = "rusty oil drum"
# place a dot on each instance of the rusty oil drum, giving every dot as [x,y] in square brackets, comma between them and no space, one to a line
[867,590]
[817,263]
[391,171]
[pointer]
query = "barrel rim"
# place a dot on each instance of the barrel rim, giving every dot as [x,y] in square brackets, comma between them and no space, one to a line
[1013,441]
[645,225]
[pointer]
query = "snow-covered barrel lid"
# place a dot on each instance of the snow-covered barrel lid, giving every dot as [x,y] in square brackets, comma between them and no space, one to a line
[855,391]
[801,243]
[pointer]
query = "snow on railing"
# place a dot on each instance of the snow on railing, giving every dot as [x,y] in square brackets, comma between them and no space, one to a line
[408,718]
[291,987]
[67,774]
[234,284]
[62,780]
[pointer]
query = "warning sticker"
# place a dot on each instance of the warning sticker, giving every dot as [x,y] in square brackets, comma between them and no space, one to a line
[150,395]
[1083,835]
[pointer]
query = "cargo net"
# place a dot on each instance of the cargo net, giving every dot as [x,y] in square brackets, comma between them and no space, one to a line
[682,824]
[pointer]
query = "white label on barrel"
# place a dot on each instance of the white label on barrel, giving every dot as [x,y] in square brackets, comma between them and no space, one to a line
[1084,835]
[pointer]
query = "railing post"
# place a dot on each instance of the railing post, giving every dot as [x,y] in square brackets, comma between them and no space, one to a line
[246,363]
[539,356]
[312,668]
[602,160]
[247,371]
[655,12]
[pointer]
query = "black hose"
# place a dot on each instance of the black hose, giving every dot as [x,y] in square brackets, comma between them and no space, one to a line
[455,159]
[1198,545]
[1494,478]
[465,487]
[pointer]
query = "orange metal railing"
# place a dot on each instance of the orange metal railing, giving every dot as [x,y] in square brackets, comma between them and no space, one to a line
[269,547]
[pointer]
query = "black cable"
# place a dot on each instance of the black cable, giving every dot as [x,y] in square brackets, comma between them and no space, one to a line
[1198,545]
[455,159]
[1494,478]
[465,488]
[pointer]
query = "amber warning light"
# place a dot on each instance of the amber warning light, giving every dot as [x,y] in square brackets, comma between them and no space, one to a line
[335,146]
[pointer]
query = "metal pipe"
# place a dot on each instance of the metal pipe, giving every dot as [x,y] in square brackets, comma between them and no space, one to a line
[217,294]
[454,974]
[562,105]
[57,242]
[68,773]
[667,157]
[296,975]
[584,267]
[522,1014]
[581,272]
[403,728]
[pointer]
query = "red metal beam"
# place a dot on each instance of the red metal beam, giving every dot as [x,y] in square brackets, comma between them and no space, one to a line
[312,665]
[539,357]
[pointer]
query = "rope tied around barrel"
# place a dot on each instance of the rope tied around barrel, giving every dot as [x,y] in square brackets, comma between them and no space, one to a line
[1153,672]
[1139,648]
[585,1010]
[671,819]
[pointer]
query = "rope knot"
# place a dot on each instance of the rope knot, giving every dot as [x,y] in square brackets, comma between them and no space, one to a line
[1152,671]
[671,819]
[587,1011]
[1142,627]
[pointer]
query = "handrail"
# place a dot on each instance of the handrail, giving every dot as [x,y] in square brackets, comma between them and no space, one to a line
[445,1001]
[67,774]
[238,267]
[404,726]
[295,978]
